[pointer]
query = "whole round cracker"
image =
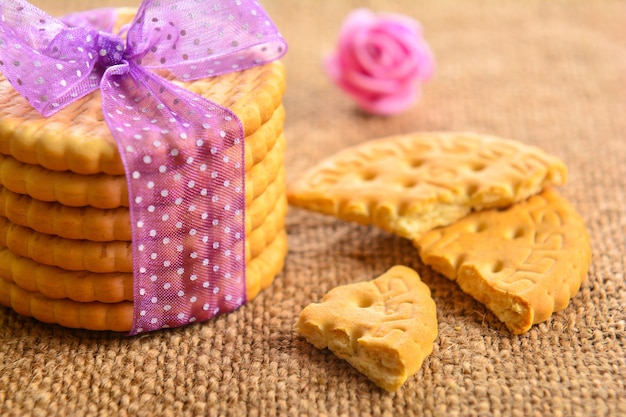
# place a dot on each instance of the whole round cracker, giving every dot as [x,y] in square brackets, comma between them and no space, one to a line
[118,316]
[263,268]
[412,183]
[523,263]
[265,172]
[71,254]
[105,225]
[385,328]
[77,139]
[108,191]
[55,282]
[91,316]
[273,224]
[88,223]
[114,256]
[86,286]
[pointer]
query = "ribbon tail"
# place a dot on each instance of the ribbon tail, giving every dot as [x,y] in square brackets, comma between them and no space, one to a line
[184,159]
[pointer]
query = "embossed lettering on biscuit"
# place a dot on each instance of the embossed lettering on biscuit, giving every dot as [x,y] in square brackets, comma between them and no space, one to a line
[411,184]
[385,328]
[523,263]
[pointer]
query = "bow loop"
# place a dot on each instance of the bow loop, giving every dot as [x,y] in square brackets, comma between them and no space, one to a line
[32,26]
[41,57]
[196,42]
[101,20]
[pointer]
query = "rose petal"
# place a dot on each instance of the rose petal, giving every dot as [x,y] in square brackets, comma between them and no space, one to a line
[371,85]
[357,21]
[401,22]
[378,53]
[389,105]
[416,56]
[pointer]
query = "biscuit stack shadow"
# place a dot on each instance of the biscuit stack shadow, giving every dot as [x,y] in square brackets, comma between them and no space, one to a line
[65,237]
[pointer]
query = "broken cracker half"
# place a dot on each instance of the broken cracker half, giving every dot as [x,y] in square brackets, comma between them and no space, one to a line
[523,263]
[385,328]
[413,183]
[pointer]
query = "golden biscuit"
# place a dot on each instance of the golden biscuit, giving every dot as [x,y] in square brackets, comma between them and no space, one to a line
[523,263]
[78,140]
[109,192]
[259,238]
[385,328]
[410,184]
[74,190]
[89,223]
[85,286]
[113,256]
[259,143]
[261,270]
[104,225]
[261,175]
[118,316]
[263,205]
[92,316]
[55,282]
[70,254]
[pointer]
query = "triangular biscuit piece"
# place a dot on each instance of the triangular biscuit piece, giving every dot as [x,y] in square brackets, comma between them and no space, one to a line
[523,263]
[410,184]
[385,328]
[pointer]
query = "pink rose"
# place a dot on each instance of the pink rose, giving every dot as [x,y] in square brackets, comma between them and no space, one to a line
[381,61]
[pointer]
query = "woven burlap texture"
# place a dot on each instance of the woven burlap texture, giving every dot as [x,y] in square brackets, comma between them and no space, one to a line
[545,73]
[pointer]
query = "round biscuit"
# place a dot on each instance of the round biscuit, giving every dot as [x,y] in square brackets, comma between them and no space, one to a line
[67,313]
[118,316]
[84,286]
[114,256]
[104,225]
[109,192]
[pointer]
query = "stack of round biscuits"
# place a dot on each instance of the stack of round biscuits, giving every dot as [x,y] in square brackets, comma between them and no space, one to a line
[65,236]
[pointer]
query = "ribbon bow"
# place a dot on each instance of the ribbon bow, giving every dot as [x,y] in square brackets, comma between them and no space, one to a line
[183,155]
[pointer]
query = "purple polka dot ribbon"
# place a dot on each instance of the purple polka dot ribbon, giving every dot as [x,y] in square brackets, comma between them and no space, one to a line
[183,154]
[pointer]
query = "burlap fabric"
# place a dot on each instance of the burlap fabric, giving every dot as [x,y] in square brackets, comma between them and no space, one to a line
[546,73]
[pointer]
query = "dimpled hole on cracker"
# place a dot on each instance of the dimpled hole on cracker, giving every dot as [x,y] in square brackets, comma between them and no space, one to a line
[415,163]
[497,266]
[355,210]
[409,183]
[478,166]
[518,233]
[369,175]
[365,301]
[471,189]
